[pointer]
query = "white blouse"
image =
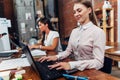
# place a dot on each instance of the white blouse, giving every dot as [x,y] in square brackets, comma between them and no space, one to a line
[87,43]
[49,40]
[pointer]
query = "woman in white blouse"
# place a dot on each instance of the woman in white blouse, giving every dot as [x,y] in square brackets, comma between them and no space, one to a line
[87,42]
[51,40]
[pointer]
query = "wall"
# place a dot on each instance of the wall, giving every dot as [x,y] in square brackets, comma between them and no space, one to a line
[118,21]
[25,16]
[7,11]
[68,22]
[66,18]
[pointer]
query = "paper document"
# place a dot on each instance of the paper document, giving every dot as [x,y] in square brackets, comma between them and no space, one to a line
[5,75]
[14,63]
[37,52]
[118,52]
[108,47]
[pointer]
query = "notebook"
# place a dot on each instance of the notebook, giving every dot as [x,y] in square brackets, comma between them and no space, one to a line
[42,68]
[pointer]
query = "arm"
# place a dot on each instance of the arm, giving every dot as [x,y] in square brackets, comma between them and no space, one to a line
[36,46]
[53,46]
[68,50]
[98,53]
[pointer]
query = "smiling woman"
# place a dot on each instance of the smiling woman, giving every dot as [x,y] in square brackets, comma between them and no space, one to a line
[84,13]
[86,43]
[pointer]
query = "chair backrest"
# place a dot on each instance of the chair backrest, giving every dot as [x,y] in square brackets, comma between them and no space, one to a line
[107,68]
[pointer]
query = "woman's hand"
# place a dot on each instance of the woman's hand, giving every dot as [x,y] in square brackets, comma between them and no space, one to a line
[60,65]
[48,58]
[30,47]
[33,46]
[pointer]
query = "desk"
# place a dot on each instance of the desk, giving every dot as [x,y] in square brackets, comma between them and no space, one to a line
[92,74]
[110,52]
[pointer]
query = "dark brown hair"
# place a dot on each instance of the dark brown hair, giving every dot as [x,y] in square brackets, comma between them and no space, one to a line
[45,20]
[88,4]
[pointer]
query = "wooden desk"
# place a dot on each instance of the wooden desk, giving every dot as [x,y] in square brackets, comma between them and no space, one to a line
[110,52]
[92,74]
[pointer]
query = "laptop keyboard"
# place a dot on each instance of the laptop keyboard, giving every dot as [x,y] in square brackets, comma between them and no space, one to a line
[46,73]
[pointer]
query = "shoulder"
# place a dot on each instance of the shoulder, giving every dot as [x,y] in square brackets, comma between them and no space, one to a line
[98,31]
[75,29]
[54,33]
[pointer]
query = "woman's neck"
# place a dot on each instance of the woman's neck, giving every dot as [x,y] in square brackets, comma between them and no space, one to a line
[47,31]
[85,22]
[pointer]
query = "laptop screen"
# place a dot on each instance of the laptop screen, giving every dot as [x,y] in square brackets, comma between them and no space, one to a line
[27,52]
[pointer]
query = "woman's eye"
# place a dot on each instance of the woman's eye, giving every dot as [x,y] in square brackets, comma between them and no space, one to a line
[79,10]
[39,25]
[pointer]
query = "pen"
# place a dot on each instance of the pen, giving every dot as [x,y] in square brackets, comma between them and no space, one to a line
[70,77]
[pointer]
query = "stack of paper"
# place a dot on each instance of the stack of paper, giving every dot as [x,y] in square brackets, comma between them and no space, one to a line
[14,63]
[37,52]
[108,47]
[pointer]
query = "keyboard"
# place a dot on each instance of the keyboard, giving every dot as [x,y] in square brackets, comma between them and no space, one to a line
[46,73]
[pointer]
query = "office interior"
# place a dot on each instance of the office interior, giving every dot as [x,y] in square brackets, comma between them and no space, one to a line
[21,16]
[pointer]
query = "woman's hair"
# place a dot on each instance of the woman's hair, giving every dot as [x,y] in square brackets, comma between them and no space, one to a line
[45,20]
[88,4]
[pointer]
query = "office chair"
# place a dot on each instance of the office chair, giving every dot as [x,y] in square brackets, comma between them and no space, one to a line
[107,68]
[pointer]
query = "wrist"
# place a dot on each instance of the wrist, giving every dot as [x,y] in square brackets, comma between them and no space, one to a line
[72,65]
[40,46]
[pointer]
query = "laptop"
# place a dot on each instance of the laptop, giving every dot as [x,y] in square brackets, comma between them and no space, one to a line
[42,68]
[8,53]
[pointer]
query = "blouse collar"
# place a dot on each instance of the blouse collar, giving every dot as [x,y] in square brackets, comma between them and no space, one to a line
[85,26]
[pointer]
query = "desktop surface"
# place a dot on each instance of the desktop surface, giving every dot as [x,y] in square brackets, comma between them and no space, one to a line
[91,74]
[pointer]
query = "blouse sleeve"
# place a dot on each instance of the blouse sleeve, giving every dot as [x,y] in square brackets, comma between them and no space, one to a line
[55,34]
[68,51]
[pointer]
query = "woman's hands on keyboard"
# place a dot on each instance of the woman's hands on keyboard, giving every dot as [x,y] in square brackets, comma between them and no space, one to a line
[57,65]
[48,58]
[60,65]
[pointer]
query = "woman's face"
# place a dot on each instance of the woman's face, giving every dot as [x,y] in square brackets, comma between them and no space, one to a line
[42,26]
[81,13]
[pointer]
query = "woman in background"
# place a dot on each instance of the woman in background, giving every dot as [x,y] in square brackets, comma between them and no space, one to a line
[50,41]
[87,42]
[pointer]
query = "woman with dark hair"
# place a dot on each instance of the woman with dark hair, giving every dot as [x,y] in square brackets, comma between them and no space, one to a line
[50,41]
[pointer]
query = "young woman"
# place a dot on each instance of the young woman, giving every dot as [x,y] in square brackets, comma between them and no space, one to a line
[51,40]
[87,42]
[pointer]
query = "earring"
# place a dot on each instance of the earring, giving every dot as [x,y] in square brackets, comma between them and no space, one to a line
[78,24]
